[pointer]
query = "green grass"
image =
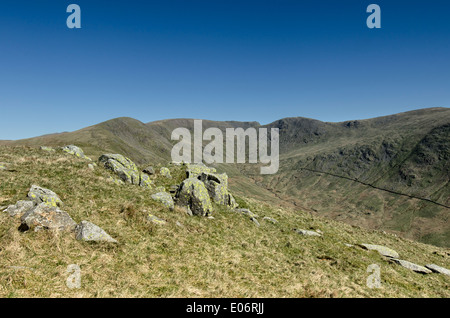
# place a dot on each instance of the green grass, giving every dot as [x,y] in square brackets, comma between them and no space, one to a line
[227,256]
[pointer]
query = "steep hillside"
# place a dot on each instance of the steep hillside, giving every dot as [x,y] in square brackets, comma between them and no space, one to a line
[390,173]
[189,256]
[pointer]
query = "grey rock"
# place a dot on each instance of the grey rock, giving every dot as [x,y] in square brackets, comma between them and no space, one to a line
[193,194]
[165,198]
[254,220]
[38,195]
[217,186]
[247,212]
[269,219]
[411,266]
[47,217]
[165,172]
[307,233]
[74,150]
[438,269]
[91,166]
[123,167]
[195,170]
[20,208]
[87,231]
[49,149]
[383,250]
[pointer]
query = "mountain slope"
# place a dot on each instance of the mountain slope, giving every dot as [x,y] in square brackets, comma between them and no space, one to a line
[389,173]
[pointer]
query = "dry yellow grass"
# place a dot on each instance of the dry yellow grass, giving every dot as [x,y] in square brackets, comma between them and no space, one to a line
[227,256]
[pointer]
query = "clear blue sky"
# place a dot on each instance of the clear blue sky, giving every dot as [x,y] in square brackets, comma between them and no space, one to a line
[219,60]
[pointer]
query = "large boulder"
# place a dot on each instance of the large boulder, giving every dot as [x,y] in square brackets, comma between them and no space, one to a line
[438,269]
[125,169]
[193,194]
[44,216]
[20,208]
[195,170]
[217,186]
[87,231]
[38,195]
[165,198]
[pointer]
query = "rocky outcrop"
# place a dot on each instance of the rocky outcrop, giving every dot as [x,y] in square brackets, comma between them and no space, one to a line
[74,150]
[195,170]
[38,195]
[193,194]
[44,216]
[217,186]
[125,169]
[87,231]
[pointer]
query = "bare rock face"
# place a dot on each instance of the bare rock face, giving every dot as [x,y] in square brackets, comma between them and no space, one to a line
[193,194]
[44,216]
[87,231]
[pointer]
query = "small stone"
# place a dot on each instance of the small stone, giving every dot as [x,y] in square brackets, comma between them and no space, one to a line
[306,232]
[165,172]
[91,166]
[87,231]
[254,220]
[149,170]
[247,212]
[164,198]
[271,220]
[156,219]
[42,195]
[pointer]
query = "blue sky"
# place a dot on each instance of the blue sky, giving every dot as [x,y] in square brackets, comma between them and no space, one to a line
[219,60]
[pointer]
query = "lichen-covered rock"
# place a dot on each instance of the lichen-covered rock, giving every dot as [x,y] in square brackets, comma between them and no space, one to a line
[49,149]
[411,266]
[115,181]
[149,170]
[165,198]
[193,194]
[383,250]
[47,217]
[271,220]
[438,269]
[174,188]
[20,208]
[307,233]
[156,219]
[41,195]
[165,172]
[231,202]
[145,181]
[195,170]
[217,186]
[247,212]
[74,150]
[87,231]
[123,167]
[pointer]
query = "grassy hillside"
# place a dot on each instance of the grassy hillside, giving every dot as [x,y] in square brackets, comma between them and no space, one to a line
[389,173]
[228,256]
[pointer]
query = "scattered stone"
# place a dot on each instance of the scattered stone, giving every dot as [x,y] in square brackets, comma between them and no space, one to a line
[306,232]
[179,224]
[156,219]
[414,267]
[165,198]
[254,220]
[383,250]
[193,194]
[348,245]
[20,208]
[38,195]
[195,170]
[189,212]
[247,212]
[87,231]
[3,166]
[149,170]
[272,220]
[165,172]
[47,217]
[74,150]
[49,149]
[91,166]
[437,269]
[211,217]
